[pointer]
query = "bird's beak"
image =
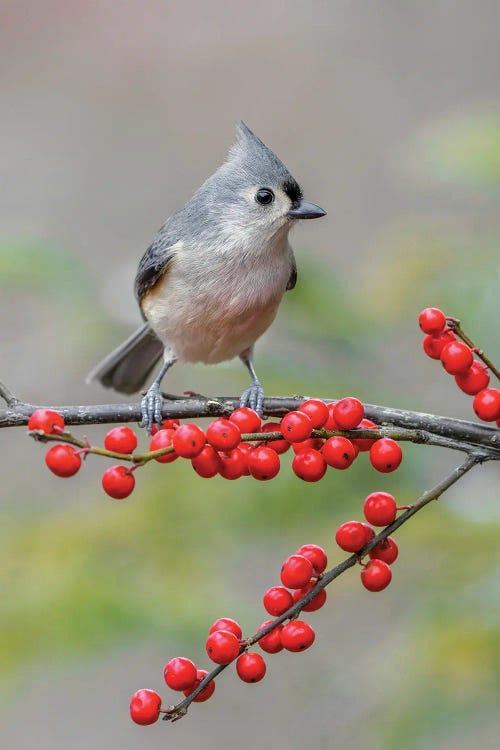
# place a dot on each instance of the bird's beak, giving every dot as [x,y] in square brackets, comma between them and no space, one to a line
[306,210]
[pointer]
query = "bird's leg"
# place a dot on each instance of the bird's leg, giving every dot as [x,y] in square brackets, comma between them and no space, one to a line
[254,394]
[151,404]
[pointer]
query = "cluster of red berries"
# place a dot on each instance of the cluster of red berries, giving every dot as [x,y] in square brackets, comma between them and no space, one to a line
[220,449]
[299,574]
[225,642]
[379,509]
[471,375]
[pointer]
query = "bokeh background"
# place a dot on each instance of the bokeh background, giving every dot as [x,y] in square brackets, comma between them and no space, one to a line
[113,112]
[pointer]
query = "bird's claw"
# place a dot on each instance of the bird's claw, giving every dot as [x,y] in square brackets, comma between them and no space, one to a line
[253,397]
[151,408]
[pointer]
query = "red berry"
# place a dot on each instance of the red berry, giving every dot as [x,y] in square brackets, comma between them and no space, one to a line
[167,424]
[486,404]
[369,532]
[376,575]
[145,707]
[207,463]
[351,536]
[170,424]
[188,440]
[315,444]
[364,444]
[297,635]
[385,455]
[250,667]
[277,600]
[432,320]
[309,465]
[456,357]
[271,643]
[207,691]
[433,345]
[315,603]
[316,410]
[233,464]
[63,460]
[163,439]
[279,446]
[296,571]
[118,482]
[380,508]
[47,420]
[246,449]
[316,555]
[263,463]
[222,646]
[339,452]
[330,423]
[474,379]
[121,440]
[223,434]
[227,623]
[246,419]
[180,673]
[386,550]
[348,413]
[296,426]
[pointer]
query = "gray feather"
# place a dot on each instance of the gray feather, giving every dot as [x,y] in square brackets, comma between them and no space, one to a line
[126,368]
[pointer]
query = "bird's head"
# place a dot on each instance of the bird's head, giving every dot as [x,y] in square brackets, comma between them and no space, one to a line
[254,192]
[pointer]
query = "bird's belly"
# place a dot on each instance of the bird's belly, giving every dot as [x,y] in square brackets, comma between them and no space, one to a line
[209,327]
[214,336]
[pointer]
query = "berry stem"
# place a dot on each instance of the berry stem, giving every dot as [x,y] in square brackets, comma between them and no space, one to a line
[491,448]
[454,324]
[177,712]
[421,436]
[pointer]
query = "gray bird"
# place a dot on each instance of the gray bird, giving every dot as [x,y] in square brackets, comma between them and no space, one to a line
[211,282]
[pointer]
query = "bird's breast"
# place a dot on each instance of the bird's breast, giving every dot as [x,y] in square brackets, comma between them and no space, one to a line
[211,309]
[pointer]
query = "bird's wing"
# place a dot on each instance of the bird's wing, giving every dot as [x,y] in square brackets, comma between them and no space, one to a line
[293,273]
[156,260]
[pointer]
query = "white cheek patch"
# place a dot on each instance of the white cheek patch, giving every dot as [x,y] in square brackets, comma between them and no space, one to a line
[267,214]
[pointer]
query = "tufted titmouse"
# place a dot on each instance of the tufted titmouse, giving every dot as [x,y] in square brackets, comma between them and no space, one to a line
[212,280]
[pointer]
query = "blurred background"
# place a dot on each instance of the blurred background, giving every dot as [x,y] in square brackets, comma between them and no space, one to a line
[113,112]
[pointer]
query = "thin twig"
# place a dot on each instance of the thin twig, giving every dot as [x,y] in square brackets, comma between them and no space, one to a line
[7,395]
[176,712]
[414,436]
[455,326]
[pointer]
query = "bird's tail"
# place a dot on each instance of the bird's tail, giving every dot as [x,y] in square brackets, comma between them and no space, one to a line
[126,368]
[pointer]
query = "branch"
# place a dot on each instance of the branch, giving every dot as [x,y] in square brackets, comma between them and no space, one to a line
[173,713]
[429,427]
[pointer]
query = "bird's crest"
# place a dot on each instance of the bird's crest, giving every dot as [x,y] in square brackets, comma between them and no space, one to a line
[257,160]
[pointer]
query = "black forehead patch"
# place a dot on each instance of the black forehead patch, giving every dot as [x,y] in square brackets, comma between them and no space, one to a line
[292,188]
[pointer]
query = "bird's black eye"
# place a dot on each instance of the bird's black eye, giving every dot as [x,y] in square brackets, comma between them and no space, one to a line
[264,196]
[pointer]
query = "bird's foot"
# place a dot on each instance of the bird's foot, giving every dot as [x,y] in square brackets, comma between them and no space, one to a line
[151,407]
[253,397]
